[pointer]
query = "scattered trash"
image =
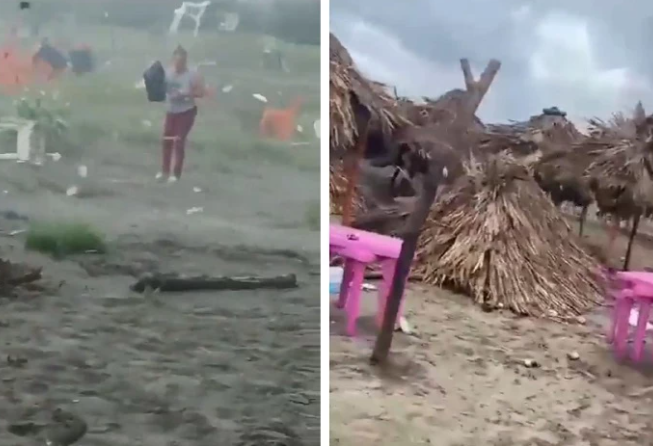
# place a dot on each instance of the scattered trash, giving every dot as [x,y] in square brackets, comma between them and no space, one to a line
[82,171]
[369,287]
[17,232]
[531,363]
[147,123]
[227,88]
[140,85]
[404,327]
[300,129]
[335,278]
[573,356]
[72,191]
[56,156]
[197,190]
[260,97]
[194,210]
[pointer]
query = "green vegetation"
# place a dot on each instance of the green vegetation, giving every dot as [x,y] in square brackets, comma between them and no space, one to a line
[60,239]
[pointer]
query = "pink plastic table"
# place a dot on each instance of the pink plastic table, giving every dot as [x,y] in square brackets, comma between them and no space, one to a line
[636,296]
[359,249]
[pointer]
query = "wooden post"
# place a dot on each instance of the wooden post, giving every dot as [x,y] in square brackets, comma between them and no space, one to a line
[478,89]
[463,119]
[402,269]
[352,163]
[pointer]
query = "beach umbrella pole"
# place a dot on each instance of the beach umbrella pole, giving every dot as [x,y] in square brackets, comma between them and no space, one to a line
[408,248]
[633,233]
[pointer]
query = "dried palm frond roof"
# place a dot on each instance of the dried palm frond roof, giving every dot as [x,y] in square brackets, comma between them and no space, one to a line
[496,236]
[338,53]
[436,110]
[549,130]
[348,88]
[617,127]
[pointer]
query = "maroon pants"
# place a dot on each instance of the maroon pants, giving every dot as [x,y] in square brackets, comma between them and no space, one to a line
[175,131]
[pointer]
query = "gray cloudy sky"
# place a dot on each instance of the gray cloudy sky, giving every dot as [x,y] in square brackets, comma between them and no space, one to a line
[590,58]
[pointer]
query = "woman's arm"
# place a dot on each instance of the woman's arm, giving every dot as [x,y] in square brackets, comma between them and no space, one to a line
[197,86]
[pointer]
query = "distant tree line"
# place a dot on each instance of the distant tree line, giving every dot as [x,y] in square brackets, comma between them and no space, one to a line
[295,21]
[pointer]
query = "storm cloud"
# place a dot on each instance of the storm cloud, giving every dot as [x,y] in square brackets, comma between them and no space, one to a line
[589,58]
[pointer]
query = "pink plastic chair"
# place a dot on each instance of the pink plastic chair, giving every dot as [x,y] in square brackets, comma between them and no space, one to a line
[635,293]
[361,248]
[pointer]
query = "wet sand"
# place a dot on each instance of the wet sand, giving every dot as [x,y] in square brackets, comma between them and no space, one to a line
[466,378]
[162,369]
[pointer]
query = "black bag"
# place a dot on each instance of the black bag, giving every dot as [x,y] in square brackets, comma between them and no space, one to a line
[52,57]
[155,82]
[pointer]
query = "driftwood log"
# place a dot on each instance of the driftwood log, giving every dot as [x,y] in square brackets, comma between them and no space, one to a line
[175,283]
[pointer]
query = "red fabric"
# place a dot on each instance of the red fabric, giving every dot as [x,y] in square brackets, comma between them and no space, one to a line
[178,126]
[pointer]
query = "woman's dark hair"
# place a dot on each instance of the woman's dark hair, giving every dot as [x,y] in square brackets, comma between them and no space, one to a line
[180,51]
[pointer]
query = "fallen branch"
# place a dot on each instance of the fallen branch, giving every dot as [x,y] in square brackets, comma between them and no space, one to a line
[174,283]
[28,277]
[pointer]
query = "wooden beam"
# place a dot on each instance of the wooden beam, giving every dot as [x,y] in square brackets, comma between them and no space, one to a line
[468,76]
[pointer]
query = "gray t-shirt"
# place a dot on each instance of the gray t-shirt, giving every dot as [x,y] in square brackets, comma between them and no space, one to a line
[179,82]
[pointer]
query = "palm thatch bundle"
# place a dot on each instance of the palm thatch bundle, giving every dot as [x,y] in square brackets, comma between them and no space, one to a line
[496,236]
[337,190]
[348,88]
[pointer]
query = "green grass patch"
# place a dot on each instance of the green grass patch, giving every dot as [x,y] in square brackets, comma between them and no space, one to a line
[60,239]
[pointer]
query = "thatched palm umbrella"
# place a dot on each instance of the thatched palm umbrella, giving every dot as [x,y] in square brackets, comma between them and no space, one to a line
[356,107]
[621,175]
[560,174]
[497,237]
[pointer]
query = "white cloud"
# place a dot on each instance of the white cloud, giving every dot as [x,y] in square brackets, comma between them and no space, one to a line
[564,59]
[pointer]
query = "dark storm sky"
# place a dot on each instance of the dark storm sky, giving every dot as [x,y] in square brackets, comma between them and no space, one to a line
[589,58]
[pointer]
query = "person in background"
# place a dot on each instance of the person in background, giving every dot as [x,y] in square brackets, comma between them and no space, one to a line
[183,87]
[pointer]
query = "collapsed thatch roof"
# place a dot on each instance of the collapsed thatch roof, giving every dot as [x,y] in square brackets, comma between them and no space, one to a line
[497,237]
[348,88]
[543,132]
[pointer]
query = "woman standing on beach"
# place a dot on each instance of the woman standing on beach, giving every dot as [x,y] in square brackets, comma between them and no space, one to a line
[183,87]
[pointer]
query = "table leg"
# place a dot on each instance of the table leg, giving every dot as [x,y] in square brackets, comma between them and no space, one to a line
[640,331]
[625,305]
[354,298]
